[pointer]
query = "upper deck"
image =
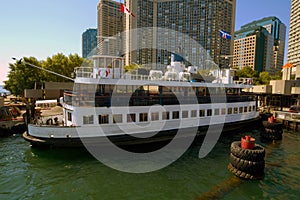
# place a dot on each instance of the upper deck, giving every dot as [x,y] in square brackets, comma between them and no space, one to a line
[109,70]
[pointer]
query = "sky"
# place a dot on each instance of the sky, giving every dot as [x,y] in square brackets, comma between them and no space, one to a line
[44,28]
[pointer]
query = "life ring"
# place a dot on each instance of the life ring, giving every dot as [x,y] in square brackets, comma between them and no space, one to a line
[107,72]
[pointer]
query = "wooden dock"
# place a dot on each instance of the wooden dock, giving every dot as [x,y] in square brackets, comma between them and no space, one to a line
[288,119]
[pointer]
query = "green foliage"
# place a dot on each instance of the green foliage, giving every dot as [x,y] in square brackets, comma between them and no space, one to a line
[263,78]
[247,72]
[131,67]
[22,76]
[61,64]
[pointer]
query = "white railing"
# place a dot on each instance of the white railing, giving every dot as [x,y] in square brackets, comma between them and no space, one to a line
[287,116]
[84,72]
[87,72]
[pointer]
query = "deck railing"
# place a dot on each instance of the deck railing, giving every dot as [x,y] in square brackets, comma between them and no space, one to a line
[287,116]
[88,72]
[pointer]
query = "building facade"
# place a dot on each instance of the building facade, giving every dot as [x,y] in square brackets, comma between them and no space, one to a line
[176,23]
[110,26]
[189,28]
[294,34]
[89,42]
[253,48]
[273,44]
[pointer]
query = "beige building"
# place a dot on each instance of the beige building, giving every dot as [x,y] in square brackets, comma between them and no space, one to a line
[253,47]
[244,52]
[110,25]
[294,36]
[261,45]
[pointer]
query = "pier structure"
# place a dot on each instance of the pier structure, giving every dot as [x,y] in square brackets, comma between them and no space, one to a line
[288,119]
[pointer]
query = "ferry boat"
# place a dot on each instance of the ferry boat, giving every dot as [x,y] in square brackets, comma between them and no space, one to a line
[107,103]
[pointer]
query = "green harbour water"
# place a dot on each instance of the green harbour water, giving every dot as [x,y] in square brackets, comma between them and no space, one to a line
[28,173]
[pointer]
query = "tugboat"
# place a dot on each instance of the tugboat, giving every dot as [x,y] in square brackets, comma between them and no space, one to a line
[134,109]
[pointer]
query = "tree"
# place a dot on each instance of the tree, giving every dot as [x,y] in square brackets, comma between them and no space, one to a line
[247,72]
[22,76]
[131,67]
[264,78]
[63,65]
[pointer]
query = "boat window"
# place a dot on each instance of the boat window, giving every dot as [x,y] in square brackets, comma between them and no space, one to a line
[254,108]
[117,118]
[241,110]
[229,111]
[223,112]
[250,108]
[209,112]
[176,115]
[202,113]
[155,116]
[217,111]
[69,116]
[103,119]
[131,117]
[245,109]
[235,111]
[185,114]
[194,113]
[165,116]
[89,119]
[143,117]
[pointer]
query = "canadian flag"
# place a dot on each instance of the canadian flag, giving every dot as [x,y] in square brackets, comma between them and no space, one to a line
[125,10]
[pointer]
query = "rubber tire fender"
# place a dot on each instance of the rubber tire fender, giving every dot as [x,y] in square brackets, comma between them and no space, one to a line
[256,154]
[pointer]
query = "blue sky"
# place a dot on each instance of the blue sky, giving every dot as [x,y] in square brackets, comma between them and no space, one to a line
[42,28]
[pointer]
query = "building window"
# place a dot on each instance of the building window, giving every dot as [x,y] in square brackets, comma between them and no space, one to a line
[209,112]
[131,117]
[143,117]
[185,114]
[176,115]
[103,119]
[155,116]
[223,112]
[194,113]
[88,119]
[235,111]
[202,113]
[117,119]
[217,111]
[69,116]
[241,110]
[165,116]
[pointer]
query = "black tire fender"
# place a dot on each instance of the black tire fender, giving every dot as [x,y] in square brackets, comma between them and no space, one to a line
[256,154]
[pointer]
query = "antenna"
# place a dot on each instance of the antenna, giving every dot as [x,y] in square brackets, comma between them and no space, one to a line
[57,74]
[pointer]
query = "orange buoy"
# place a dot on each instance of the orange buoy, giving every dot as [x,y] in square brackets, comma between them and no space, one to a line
[247,142]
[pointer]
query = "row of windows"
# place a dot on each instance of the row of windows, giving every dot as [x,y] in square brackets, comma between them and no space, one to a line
[155,116]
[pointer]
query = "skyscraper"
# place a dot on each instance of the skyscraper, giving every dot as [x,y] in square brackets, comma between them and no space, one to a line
[253,47]
[173,22]
[110,25]
[89,42]
[273,45]
[294,34]
[200,20]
